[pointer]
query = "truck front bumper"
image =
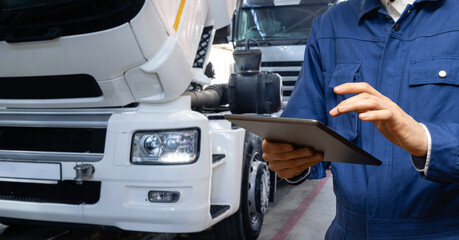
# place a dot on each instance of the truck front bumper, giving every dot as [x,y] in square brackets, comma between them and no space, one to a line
[124,187]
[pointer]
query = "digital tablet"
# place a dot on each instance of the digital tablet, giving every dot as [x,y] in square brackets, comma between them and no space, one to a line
[305,133]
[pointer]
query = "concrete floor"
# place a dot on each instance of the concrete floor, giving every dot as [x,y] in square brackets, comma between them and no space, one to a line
[299,212]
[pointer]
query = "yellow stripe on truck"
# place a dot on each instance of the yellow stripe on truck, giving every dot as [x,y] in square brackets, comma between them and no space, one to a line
[179,14]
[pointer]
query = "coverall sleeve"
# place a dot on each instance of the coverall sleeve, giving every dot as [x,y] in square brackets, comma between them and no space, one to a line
[444,158]
[307,99]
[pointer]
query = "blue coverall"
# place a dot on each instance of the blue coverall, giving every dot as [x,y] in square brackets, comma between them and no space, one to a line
[356,41]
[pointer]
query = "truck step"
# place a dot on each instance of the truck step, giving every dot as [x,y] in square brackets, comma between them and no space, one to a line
[217,210]
[217,158]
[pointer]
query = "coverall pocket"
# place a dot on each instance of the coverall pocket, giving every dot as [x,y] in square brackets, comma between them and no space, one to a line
[434,86]
[347,124]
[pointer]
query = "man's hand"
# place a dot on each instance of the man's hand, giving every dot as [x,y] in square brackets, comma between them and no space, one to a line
[288,161]
[396,125]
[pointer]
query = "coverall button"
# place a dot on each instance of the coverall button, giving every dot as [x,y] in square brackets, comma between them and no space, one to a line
[397,27]
[442,74]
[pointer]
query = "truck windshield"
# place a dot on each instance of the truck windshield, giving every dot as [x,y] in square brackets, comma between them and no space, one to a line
[278,25]
[11,5]
[33,20]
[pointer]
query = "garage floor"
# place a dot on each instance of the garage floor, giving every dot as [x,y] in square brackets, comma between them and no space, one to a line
[299,212]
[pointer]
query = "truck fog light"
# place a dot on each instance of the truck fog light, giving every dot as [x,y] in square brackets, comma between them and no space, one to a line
[163,196]
[175,146]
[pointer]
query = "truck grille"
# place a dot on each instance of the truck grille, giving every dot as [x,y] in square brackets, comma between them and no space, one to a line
[49,87]
[44,139]
[289,72]
[52,136]
[66,192]
[203,47]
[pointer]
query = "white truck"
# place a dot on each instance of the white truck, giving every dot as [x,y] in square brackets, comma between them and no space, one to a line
[281,28]
[95,128]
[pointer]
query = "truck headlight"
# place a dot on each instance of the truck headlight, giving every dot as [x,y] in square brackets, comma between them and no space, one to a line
[176,146]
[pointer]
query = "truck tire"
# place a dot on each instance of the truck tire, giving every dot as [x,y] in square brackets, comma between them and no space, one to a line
[246,223]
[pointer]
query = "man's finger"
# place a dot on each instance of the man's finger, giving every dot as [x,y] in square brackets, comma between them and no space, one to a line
[292,172]
[272,147]
[378,115]
[356,88]
[361,102]
[283,156]
[277,165]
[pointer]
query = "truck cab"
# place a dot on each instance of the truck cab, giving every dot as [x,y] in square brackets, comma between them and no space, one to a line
[95,128]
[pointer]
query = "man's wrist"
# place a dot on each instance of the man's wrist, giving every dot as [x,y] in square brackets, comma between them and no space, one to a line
[300,178]
[421,163]
[422,147]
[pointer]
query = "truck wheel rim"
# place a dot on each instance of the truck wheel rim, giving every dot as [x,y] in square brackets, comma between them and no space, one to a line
[258,205]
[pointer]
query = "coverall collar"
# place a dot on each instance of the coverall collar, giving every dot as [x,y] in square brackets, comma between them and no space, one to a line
[367,6]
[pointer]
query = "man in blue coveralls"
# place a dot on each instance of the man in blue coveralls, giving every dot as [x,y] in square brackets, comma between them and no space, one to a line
[385,75]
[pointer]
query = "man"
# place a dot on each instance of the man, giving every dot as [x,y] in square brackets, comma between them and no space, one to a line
[385,75]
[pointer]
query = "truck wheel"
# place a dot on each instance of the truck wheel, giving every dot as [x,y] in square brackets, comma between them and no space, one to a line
[246,223]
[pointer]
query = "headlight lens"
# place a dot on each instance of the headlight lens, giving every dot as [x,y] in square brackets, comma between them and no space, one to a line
[178,146]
